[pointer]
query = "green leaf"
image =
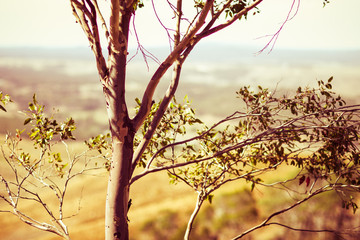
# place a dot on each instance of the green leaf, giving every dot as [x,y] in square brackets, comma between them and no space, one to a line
[31,107]
[252,185]
[34,99]
[27,121]
[138,102]
[210,198]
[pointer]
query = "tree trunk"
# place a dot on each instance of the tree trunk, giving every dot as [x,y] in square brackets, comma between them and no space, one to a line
[122,153]
[117,199]
[121,128]
[118,191]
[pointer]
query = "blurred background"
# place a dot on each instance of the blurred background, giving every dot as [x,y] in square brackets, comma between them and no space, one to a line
[44,51]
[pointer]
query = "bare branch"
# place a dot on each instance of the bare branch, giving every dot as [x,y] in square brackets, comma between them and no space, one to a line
[307,230]
[216,16]
[275,36]
[178,22]
[266,221]
[80,11]
[24,184]
[161,23]
[146,54]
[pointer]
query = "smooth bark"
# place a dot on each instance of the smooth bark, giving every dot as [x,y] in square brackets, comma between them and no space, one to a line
[195,212]
[116,223]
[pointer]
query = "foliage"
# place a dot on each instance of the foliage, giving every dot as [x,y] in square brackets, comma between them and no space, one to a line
[46,128]
[235,7]
[325,2]
[101,143]
[230,8]
[42,133]
[312,131]
[34,175]
[4,99]
[174,123]
[271,132]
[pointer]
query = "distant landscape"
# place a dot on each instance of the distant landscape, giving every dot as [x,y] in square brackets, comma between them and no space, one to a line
[66,79]
[66,82]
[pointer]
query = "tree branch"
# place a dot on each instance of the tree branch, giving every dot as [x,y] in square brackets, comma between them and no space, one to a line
[266,221]
[305,123]
[168,95]
[275,36]
[199,202]
[307,230]
[158,115]
[102,20]
[206,32]
[80,12]
[114,25]
[149,92]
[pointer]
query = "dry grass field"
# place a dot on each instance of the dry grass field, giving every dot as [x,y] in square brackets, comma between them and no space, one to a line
[160,210]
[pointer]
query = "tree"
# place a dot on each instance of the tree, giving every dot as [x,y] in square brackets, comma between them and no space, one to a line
[271,132]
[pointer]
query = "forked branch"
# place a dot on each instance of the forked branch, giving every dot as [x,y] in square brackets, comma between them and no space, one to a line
[267,222]
[175,54]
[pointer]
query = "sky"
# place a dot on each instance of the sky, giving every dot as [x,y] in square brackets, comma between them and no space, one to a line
[49,23]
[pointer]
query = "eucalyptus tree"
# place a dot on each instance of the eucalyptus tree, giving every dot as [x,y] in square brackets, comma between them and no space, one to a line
[188,30]
[313,130]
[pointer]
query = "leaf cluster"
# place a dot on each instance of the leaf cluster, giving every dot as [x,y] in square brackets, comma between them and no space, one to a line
[44,128]
[313,130]
[138,4]
[235,7]
[174,123]
[230,8]
[42,133]
[101,143]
